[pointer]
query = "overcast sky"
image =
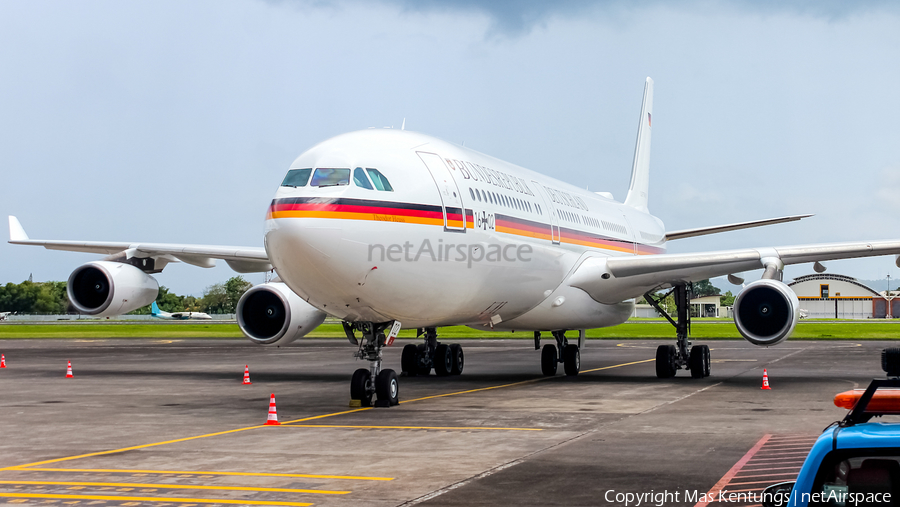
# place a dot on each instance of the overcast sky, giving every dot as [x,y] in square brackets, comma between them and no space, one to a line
[175,121]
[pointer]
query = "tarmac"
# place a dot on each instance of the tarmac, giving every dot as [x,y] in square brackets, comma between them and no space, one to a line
[148,422]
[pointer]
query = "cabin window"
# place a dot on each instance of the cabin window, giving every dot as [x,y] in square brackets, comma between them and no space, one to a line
[296,178]
[360,179]
[328,177]
[379,180]
[472,193]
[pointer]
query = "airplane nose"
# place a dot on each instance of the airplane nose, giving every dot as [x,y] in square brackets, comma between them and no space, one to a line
[304,251]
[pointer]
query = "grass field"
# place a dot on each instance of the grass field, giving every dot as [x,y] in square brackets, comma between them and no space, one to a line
[839,330]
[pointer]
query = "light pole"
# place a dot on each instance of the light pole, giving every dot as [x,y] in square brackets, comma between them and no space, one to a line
[888,299]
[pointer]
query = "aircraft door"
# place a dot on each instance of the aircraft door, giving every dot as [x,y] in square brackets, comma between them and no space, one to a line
[632,233]
[551,210]
[451,199]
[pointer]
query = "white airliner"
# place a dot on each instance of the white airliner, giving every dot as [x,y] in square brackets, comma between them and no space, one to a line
[379,227]
[159,314]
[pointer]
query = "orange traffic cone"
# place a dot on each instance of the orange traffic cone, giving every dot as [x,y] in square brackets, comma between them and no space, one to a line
[246,375]
[69,370]
[765,380]
[272,420]
[2,361]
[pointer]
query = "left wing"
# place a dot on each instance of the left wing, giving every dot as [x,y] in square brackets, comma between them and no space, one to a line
[614,279]
[240,259]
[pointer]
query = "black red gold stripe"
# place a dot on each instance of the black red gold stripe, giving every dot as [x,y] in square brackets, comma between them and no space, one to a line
[521,227]
[428,214]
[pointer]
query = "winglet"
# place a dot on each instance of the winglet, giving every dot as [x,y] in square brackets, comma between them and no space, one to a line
[16,232]
[640,172]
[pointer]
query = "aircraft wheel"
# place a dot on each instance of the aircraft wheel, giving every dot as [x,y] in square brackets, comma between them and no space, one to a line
[358,387]
[572,360]
[420,358]
[549,360]
[387,387]
[697,362]
[665,364]
[456,353]
[706,361]
[443,361]
[409,360]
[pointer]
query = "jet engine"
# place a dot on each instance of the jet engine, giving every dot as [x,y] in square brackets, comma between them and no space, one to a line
[272,313]
[105,288]
[766,312]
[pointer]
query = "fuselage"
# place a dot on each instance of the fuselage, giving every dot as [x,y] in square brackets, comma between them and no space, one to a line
[439,235]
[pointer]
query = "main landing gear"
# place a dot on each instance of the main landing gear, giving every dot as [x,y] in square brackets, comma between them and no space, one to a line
[420,359]
[550,359]
[671,358]
[373,381]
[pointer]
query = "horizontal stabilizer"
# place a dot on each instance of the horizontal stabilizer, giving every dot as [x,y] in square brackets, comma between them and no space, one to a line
[703,231]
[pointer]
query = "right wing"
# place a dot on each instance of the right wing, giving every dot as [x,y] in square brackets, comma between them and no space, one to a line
[240,259]
[614,279]
[703,231]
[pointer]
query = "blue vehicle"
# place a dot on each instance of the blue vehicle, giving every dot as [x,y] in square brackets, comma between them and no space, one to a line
[855,462]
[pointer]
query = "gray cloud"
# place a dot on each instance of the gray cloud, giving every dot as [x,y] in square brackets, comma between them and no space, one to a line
[513,18]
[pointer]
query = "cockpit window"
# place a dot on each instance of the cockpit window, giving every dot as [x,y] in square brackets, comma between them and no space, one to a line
[379,180]
[296,178]
[325,177]
[359,177]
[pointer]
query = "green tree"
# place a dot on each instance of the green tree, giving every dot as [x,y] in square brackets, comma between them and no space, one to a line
[235,287]
[215,299]
[728,299]
[224,297]
[705,288]
[30,297]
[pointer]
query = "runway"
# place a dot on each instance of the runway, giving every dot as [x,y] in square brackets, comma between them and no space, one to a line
[168,422]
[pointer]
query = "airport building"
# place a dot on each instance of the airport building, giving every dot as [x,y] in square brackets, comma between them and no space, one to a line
[831,296]
[701,307]
[708,306]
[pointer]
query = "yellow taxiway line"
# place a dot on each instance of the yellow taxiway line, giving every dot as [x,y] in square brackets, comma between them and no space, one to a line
[132,448]
[146,485]
[186,439]
[443,428]
[619,365]
[183,472]
[155,499]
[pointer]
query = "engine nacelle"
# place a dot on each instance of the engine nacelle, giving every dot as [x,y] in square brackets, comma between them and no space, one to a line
[272,313]
[766,312]
[105,288]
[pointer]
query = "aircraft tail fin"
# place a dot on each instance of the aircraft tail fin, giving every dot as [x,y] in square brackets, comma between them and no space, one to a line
[154,310]
[640,170]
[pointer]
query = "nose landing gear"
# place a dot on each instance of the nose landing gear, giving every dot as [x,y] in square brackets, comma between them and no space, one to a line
[374,381]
